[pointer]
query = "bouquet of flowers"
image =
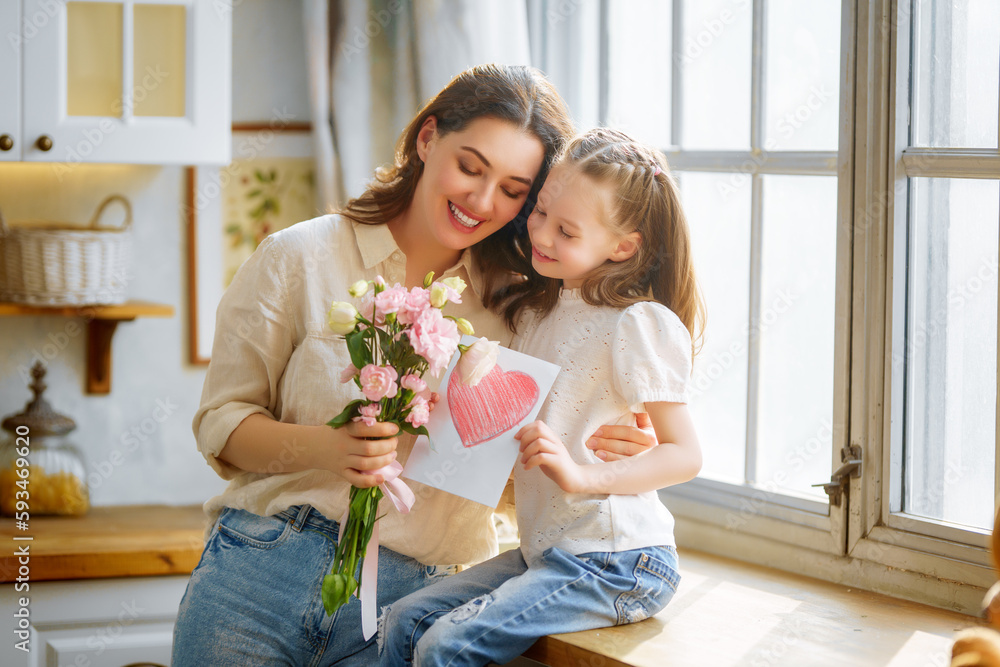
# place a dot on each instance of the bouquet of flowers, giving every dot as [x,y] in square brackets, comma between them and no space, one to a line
[396,337]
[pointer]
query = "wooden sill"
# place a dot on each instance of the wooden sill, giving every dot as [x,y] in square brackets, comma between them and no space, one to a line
[101,324]
[727,612]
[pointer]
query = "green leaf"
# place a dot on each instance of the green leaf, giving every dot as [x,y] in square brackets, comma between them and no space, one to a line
[409,428]
[356,346]
[350,411]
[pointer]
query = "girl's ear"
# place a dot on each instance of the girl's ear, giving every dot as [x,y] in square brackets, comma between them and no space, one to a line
[627,246]
[424,137]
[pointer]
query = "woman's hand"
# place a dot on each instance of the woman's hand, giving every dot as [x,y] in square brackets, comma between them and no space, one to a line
[542,448]
[356,451]
[613,443]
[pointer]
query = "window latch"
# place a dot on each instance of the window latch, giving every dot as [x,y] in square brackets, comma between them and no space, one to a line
[851,458]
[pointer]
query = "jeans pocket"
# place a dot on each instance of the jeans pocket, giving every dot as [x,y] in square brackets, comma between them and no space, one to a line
[262,532]
[655,584]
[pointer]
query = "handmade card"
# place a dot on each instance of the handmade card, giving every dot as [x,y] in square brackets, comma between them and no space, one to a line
[471,449]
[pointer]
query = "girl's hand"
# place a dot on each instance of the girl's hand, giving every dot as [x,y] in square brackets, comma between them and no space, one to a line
[435,397]
[356,451]
[542,448]
[613,443]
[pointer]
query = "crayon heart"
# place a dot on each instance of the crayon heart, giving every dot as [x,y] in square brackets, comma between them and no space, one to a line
[495,405]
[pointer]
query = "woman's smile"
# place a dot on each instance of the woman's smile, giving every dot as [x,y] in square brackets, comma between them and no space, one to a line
[462,219]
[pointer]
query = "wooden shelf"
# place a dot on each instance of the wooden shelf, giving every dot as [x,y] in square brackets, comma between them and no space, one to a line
[101,324]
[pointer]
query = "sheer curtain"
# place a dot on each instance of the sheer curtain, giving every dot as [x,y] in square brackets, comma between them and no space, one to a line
[373,63]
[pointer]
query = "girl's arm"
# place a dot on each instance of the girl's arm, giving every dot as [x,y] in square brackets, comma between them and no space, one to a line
[677,459]
[264,445]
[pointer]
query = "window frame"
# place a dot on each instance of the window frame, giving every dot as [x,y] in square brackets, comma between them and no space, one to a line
[860,542]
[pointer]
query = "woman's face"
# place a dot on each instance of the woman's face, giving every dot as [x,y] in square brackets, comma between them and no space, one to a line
[474,181]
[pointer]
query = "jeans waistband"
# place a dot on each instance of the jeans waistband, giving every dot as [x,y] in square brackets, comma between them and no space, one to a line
[307,515]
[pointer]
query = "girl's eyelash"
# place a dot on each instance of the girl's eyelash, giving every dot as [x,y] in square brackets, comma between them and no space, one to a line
[563,232]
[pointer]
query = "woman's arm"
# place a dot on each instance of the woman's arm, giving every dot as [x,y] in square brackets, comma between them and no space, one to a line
[616,442]
[261,444]
[677,459]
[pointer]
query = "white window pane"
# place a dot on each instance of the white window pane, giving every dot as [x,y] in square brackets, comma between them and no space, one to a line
[950,432]
[796,329]
[956,88]
[714,57]
[802,90]
[719,217]
[640,71]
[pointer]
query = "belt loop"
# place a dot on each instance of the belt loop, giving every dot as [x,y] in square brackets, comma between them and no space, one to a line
[300,519]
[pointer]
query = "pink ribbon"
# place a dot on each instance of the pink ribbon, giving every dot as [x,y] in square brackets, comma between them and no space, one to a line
[402,497]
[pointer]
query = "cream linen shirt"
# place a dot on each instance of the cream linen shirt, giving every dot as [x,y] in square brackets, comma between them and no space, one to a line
[274,354]
[613,362]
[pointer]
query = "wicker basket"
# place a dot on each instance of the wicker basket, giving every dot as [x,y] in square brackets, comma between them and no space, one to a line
[50,264]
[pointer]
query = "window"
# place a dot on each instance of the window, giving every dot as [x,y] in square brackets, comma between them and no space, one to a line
[840,170]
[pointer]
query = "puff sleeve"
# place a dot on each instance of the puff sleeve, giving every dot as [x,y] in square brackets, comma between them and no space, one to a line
[253,340]
[651,355]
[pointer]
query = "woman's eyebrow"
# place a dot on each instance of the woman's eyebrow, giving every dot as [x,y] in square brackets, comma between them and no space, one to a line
[521,179]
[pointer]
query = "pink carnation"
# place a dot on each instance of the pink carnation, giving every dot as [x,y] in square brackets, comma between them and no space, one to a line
[378,382]
[434,338]
[419,412]
[416,384]
[348,373]
[417,301]
[368,414]
[391,300]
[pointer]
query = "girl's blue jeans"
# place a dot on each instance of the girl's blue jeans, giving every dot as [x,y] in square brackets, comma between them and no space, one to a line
[254,598]
[495,611]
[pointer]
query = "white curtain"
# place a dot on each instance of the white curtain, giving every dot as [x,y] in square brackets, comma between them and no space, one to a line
[373,63]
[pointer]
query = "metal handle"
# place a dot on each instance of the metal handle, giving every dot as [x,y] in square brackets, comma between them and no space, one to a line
[44,143]
[6,142]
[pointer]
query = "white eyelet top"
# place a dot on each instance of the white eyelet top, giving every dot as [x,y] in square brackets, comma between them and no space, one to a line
[613,362]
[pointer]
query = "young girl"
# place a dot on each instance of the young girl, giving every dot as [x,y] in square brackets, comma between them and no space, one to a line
[614,302]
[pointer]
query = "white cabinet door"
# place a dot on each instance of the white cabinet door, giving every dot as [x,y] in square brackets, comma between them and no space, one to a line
[132,81]
[10,82]
[95,622]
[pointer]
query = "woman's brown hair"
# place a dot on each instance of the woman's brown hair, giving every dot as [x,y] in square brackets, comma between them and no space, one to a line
[646,200]
[516,94]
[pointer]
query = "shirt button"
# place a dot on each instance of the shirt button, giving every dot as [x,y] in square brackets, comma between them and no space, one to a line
[397,256]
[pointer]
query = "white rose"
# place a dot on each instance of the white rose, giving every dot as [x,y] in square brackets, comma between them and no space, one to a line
[342,317]
[477,361]
[455,283]
[358,288]
[439,295]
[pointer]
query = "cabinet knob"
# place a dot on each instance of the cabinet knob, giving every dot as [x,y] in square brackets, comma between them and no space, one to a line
[6,142]
[44,143]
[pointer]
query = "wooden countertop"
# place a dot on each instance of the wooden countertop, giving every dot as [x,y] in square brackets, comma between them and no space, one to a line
[124,541]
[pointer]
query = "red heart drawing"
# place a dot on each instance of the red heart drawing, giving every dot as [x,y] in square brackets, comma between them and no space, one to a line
[495,405]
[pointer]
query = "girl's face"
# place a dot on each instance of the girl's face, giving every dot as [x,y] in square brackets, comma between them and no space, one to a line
[474,181]
[569,235]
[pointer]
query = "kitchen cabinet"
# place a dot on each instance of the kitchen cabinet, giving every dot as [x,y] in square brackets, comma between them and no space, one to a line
[97,622]
[125,81]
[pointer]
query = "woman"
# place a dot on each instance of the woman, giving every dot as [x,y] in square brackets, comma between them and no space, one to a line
[466,165]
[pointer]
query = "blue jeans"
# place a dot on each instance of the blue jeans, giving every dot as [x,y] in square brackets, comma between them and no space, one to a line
[496,610]
[254,598]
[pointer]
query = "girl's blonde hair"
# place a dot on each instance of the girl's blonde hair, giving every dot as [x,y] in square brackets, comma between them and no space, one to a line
[646,200]
[515,94]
